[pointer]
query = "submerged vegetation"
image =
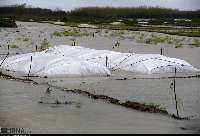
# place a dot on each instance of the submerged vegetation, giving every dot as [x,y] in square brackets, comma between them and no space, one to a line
[13,46]
[44,45]
[151,108]
[144,107]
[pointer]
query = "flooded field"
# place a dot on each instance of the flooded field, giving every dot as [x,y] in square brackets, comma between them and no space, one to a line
[21,107]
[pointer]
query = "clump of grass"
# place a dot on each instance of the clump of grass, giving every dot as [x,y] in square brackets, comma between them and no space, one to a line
[57,102]
[26,39]
[69,33]
[72,33]
[169,41]
[148,41]
[58,34]
[177,40]
[178,45]
[44,45]
[18,39]
[117,34]
[13,46]
[155,40]
[196,43]
[106,31]
[153,105]
[140,39]
[189,34]
[98,31]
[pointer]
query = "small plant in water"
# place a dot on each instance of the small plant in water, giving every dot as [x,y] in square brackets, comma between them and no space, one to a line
[57,102]
[178,46]
[13,46]
[44,45]
[26,39]
[70,33]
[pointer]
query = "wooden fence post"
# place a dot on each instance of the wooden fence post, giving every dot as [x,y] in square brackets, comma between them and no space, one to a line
[30,67]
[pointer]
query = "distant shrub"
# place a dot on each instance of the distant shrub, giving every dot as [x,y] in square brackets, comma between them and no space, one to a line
[7,22]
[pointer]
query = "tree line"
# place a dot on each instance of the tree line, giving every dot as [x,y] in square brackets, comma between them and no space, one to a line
[137,12]
[24,13]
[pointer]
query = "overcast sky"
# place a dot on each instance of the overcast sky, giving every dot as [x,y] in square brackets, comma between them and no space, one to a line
[71,4]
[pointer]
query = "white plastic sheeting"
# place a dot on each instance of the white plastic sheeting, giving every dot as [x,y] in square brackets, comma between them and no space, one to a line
[51,65]
[145,63]
[64,60]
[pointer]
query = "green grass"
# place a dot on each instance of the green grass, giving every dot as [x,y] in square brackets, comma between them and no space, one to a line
[58,34]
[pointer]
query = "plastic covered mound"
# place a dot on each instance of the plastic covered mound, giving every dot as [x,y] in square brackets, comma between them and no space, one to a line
[51,65]
[64,60]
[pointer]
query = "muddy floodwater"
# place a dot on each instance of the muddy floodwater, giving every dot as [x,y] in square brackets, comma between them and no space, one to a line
[35,107]
[20,107]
